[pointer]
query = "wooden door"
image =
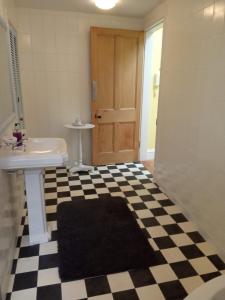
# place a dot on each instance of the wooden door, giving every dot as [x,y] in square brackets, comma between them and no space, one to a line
[116,61]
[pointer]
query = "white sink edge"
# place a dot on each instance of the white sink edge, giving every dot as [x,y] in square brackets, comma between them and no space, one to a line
[45,163]
[19,159]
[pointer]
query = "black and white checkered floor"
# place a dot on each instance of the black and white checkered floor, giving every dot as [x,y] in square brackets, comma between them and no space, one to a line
[185,260]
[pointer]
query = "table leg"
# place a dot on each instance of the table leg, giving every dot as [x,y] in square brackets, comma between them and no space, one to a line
[80,148]
[81,167]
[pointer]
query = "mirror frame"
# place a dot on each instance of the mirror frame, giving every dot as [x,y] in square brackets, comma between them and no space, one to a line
[12,116]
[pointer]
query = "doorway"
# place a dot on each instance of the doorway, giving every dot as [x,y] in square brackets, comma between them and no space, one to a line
[151,84]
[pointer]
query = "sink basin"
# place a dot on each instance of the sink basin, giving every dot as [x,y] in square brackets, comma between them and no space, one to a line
[37,153]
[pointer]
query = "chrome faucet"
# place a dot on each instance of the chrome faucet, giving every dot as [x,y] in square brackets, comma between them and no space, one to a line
[8,141]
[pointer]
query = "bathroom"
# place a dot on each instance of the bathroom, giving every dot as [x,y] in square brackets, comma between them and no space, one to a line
[57,88]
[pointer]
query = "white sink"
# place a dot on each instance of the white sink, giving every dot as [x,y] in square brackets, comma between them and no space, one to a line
[37,153]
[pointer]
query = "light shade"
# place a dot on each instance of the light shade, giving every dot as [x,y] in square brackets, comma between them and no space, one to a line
[105,4]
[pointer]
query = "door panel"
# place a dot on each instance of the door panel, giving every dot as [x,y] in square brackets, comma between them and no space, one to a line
[106,137]
[126,60]
[117,57]
[126,136]
[105,72]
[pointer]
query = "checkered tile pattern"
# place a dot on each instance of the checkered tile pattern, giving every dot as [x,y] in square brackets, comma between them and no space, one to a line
[185,259]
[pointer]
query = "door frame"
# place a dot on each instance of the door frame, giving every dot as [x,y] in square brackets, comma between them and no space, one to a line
[144,154]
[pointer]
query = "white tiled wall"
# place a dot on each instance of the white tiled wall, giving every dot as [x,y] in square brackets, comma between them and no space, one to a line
[55,66]
[190,162]
[11,192]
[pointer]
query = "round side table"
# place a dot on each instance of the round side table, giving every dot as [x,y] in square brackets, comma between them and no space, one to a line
[79,166]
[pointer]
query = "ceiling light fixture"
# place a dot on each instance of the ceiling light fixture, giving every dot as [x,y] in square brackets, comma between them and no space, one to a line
[105,4]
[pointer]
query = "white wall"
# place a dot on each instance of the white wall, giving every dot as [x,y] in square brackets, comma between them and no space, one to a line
[11,192]
[8,10]
[156,15]
[55,66]
[190,161]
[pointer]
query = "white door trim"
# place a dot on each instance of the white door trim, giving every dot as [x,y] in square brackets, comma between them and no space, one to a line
[145,153]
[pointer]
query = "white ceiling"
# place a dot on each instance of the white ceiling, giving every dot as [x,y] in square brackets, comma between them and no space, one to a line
[125,8]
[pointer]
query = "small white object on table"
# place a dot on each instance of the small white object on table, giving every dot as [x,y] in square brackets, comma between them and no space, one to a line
[79,166]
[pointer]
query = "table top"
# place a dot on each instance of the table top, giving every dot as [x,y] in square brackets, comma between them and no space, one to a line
[83,126]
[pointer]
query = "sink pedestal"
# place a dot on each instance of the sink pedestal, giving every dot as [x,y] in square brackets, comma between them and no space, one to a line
[38,230]
[36,155]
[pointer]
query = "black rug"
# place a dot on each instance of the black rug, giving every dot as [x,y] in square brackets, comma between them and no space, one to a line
[99,237]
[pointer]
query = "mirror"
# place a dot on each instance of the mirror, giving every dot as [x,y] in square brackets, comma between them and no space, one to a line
[6,99]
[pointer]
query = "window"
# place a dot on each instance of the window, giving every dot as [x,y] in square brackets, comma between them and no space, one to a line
[15,69]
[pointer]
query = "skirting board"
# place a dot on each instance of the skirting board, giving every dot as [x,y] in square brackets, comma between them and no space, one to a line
[150,154]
